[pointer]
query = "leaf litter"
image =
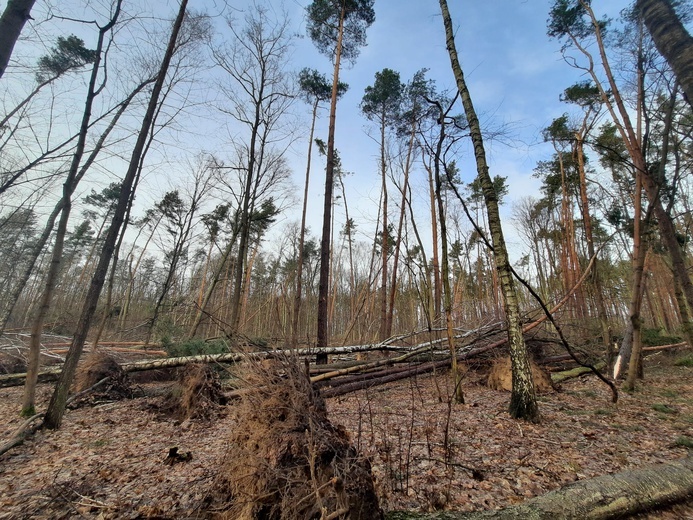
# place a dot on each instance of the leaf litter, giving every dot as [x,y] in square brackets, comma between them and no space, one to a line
[426,453]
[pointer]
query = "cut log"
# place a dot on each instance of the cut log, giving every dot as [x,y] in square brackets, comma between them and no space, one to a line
[609,496]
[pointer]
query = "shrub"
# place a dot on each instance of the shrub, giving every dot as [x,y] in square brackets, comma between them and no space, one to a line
[194,347]
[654,338]
[685,361]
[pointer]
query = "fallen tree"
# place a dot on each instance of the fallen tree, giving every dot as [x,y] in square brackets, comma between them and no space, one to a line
[52,373]
[608,496]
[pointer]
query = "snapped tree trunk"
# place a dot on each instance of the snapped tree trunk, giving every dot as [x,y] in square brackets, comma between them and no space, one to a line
[523,401]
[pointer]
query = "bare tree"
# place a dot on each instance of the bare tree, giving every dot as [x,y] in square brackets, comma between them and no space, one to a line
[523,402]
[259,95]
[56,407]
[68,188]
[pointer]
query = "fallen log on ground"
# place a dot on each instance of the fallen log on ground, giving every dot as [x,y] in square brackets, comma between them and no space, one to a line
[559,377]
[609,496]
[52,373]
[666,347]
[423,368]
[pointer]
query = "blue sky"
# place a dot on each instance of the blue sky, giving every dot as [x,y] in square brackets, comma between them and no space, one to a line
[514,71]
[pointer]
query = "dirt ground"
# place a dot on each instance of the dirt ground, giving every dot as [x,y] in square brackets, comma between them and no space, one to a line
[427,454]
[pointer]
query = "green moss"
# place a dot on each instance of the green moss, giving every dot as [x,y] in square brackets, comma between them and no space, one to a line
[654,337]
[663,408]
[601,411]
[100,443]
[28,412]
[669,393]
[685,361]
[684,441]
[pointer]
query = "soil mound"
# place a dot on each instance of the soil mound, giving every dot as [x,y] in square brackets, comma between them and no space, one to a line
[98,366]
[501,377]
[287,460]
[197,394]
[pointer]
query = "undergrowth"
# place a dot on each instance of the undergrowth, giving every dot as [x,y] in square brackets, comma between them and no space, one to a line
[193,347]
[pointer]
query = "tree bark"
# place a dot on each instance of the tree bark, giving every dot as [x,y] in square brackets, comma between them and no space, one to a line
[589,238]
[632,142]
[324,282]
[293,341]
[609,496]
[12,22]
[523,401]
[445,265]
[400,227]
[671,39]
[56,407]
[69,187]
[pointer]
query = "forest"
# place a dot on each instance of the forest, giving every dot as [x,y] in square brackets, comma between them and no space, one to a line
[246,274]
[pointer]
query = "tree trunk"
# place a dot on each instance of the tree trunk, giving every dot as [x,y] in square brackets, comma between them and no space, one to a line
[293,342]
[12,22]
[523,401]
[56,407]
[684,313]
[671,39]
[437,291]
[223,262]
[324,283]
[384,238]
[69,186]
[445,265]
[400,227]
[633,145]
[589,238]
[618,495]
[630,347]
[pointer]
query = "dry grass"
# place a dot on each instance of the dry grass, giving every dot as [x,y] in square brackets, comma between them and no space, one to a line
[96,367]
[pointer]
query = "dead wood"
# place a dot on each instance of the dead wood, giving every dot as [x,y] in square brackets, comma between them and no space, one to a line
[173,456]
[602,498]
[287,459]
[559,377]
[501,377]
[666,347]
[196,395]
[52,374]
[346,388]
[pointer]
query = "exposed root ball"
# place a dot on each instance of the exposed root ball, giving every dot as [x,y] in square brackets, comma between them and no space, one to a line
[196,395]
[98,366]
[287,461]
[501,377]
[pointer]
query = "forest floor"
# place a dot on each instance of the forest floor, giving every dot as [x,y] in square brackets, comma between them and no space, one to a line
[107,460]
